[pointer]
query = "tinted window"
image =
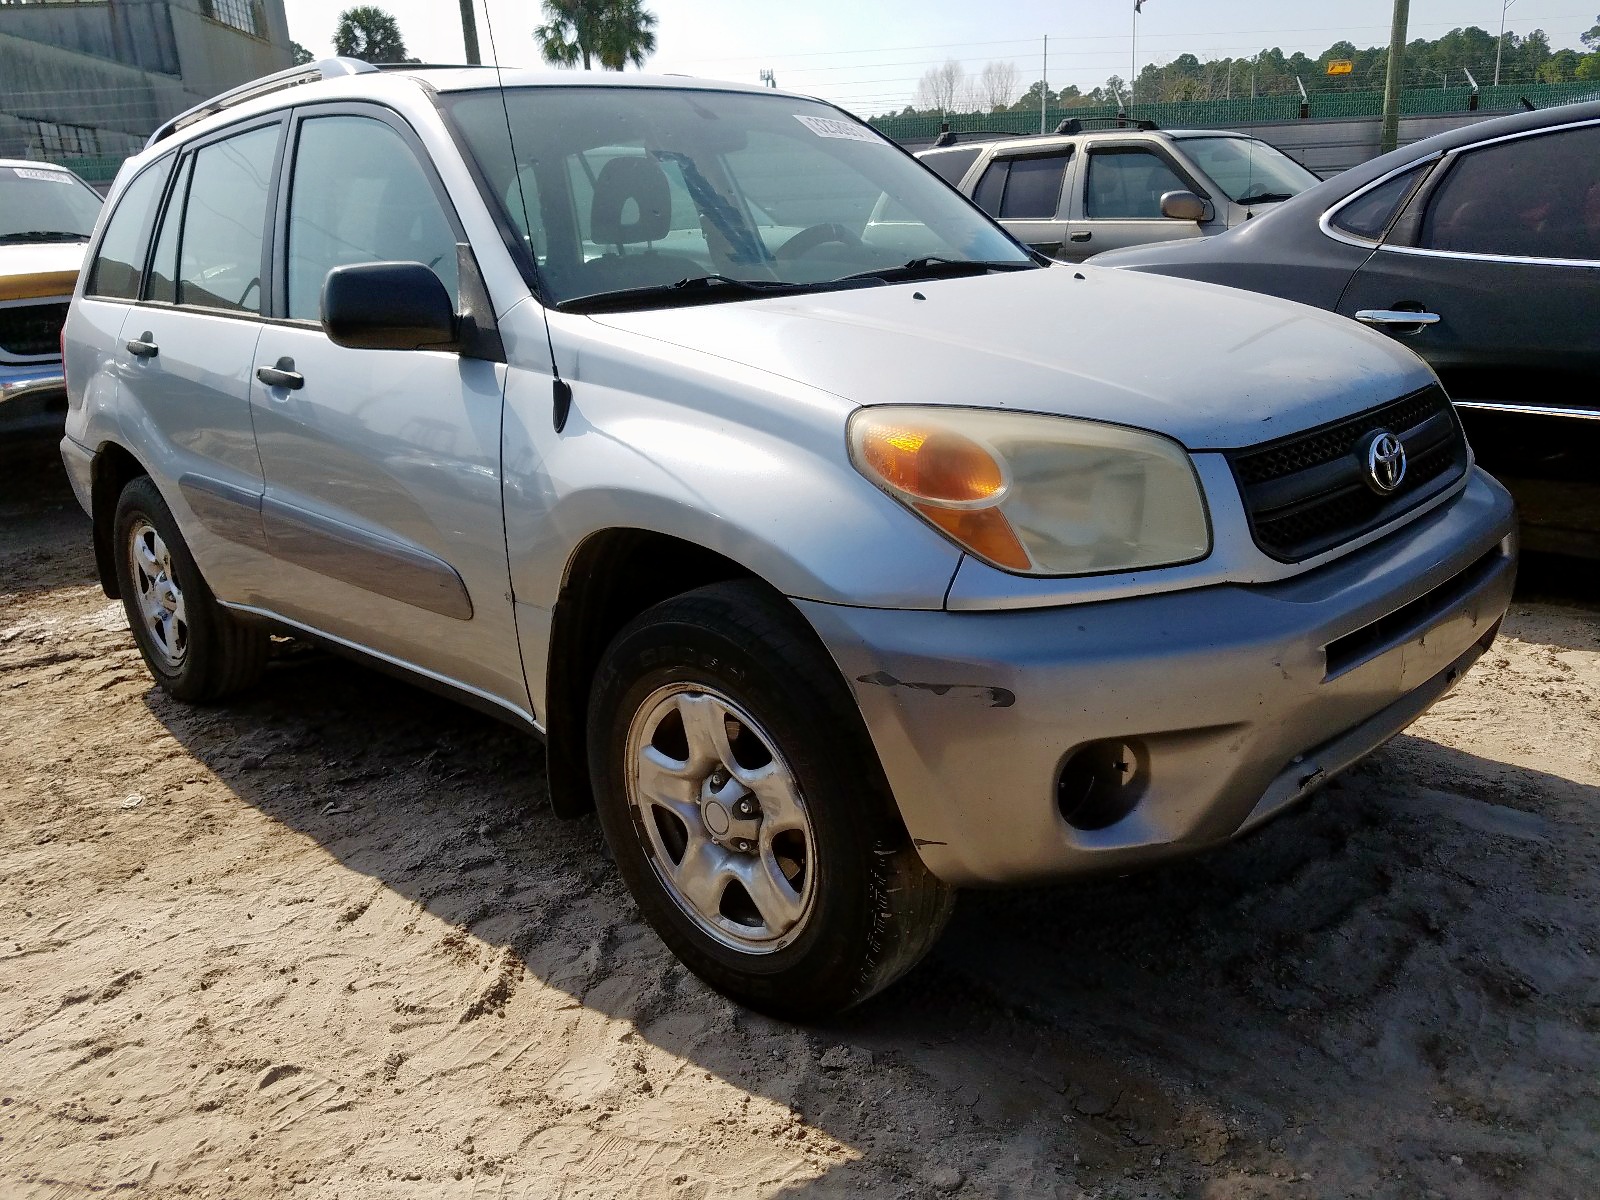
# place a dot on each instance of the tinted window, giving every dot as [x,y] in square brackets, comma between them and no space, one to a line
[219,250]
[1537,197]
[1129,184]
[992,186]
[1370,215]
[951,165]
[1033,189]
[119,265]
[358,195]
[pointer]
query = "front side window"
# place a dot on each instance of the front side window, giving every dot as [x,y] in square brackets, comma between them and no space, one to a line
[118,268]
[358,195]
[637,190]
[44,204]
[1247,170]
[1127,184]
[1535,197]
[224,217]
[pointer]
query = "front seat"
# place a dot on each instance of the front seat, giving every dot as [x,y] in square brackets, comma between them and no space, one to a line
[632,207]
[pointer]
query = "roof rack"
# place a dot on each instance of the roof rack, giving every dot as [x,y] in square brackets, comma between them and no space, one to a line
[948,138]
[1076,124]
[328,68]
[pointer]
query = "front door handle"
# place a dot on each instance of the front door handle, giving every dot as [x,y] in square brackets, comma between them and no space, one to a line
[143,347]
[1393,318]
[1082,235]
[282,375]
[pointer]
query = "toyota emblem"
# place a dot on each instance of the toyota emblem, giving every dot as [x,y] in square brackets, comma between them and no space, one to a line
[1386,462]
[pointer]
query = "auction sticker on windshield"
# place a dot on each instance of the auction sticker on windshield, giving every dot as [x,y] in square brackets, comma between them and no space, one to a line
[46,176]
[849,131]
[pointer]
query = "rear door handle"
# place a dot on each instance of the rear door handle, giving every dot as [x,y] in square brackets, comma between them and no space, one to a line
[1386,317]
[143,347]
[1083,235]
[282,375]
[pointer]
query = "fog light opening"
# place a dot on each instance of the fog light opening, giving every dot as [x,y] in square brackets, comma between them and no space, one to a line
[1101,783]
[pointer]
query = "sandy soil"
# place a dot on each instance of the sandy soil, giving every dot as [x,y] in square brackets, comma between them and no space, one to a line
[329,941]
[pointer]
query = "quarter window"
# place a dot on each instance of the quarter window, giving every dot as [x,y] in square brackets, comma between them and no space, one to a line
[119,266]
[1535,197]
[224,215]
[1370,215]
[360,196]
[1127,184]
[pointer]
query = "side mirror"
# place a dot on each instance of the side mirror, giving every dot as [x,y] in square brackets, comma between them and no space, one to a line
[387,306]
[1183,206]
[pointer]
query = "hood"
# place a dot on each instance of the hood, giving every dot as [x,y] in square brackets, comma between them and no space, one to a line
[33,270]
[1210,366]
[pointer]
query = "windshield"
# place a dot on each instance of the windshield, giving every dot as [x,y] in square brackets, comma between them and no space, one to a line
[1249,171]
[626,192]
[38,204]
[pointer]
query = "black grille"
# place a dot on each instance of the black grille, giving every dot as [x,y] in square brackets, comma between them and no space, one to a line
[30,329]
[1308,492]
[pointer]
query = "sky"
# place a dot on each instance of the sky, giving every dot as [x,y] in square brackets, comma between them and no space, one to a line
[867,55]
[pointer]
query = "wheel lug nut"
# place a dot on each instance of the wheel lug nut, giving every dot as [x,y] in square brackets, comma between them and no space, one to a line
[742,846]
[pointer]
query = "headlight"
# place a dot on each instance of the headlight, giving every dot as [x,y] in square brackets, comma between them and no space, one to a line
[1035,494]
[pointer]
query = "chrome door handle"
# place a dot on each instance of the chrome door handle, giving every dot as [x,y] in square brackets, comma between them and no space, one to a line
[143,347]
[1381,317]
[281,375]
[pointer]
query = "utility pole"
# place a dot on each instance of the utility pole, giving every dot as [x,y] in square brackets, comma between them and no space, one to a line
[1391,88]
[768,78]
[1500,43]
[1044,83]
[469,32]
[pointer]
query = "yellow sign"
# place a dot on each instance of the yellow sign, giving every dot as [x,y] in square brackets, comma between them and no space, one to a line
[1341,66]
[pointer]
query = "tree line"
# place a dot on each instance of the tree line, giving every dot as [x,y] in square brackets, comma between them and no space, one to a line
[1443,62]
[610,34]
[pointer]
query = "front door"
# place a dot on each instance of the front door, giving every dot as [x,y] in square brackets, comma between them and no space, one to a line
[382,466]
[1118,200]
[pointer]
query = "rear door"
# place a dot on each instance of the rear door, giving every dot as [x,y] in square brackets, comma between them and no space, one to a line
[1026,192]
[1117,198]
[382,467]
[185,353]
[1503,246]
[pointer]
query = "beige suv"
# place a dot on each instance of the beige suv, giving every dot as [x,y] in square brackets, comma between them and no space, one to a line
[1076,193]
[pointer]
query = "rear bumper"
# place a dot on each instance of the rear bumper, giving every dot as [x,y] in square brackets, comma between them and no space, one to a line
[38,380]
[1217,708]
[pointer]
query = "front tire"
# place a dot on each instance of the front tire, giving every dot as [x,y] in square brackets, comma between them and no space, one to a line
[194,648]
[747,810]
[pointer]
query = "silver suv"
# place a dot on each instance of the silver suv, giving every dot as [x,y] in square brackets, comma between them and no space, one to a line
[838,563]
[1079,192]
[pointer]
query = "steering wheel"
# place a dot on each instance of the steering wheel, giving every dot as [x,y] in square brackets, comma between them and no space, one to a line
[813,236]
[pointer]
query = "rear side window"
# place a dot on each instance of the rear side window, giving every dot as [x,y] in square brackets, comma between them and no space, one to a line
[224,220]
[1128,184]
[1536,197]
[1023,188]
[118,268]
[360,196]
[951,165]
[1369,216]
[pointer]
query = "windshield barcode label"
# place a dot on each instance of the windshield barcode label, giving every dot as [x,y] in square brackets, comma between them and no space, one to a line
[848,130]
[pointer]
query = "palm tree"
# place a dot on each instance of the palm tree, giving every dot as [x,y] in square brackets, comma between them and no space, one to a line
[616,32]
[368,32]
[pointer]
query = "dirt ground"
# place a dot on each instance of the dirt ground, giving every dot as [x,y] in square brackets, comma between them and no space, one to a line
[330,941]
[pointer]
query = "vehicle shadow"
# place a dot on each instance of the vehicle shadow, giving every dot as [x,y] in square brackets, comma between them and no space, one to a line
[1247,1011]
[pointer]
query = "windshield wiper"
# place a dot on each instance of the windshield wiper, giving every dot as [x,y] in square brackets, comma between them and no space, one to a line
[44,235]
[1264,198]
[931,266]
[688,291]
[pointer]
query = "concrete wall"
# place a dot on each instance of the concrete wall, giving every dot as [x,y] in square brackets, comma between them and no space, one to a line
[122,67]
[1330,146]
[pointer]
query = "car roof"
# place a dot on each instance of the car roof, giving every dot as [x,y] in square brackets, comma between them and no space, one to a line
[33,164]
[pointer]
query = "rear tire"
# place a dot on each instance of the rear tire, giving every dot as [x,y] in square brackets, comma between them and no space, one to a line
[747,810]
[194,648]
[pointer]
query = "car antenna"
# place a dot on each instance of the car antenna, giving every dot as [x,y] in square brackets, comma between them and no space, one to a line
[561,390]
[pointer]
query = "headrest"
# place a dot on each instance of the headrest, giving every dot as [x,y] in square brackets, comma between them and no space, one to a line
[644,182]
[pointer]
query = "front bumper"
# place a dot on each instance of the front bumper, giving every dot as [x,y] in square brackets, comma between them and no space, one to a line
[41,380]
[1220,706]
